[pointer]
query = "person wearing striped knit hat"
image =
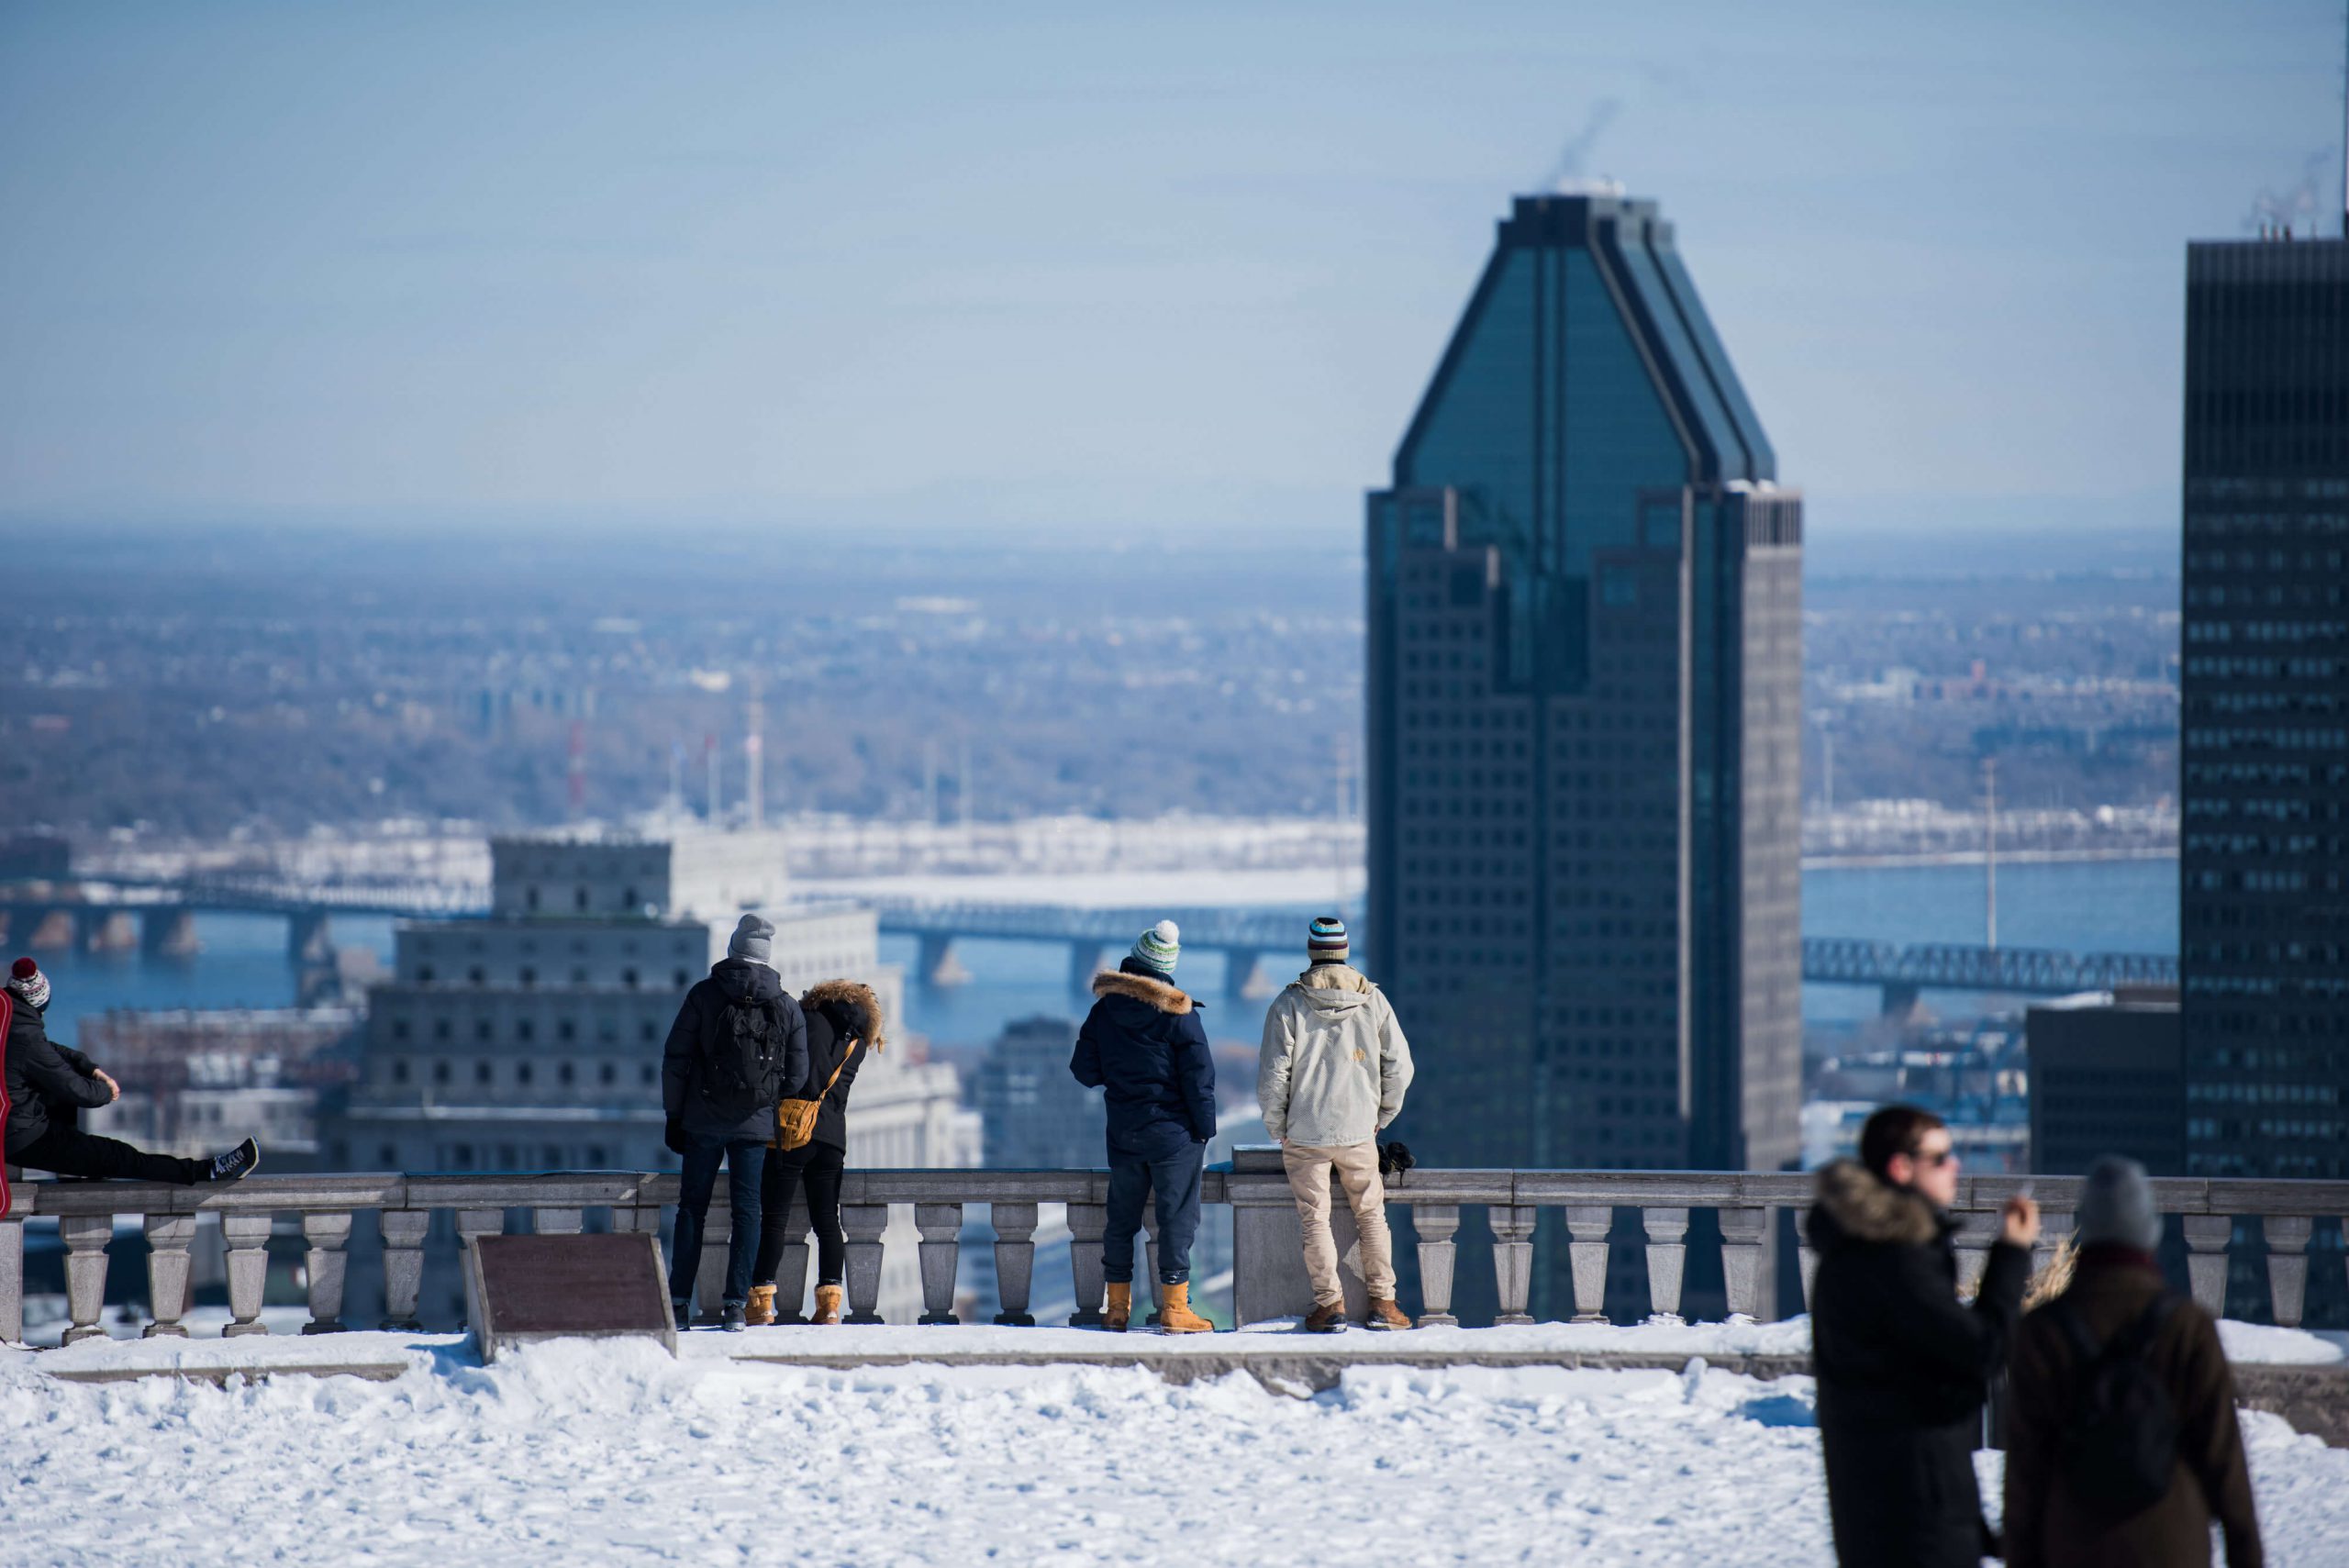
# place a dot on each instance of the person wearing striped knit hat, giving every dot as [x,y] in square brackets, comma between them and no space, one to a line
[1331,1076]
[1144,1045]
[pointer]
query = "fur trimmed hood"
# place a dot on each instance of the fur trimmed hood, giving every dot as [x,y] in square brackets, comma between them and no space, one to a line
[856,998]
[1862,1206]
[1158,994]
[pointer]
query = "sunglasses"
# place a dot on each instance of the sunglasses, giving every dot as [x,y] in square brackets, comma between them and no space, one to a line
[1935,1161]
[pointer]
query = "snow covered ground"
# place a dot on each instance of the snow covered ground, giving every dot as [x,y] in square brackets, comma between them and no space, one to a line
[579,1453]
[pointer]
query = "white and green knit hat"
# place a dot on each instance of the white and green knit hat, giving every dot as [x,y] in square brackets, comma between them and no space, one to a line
[1159,946]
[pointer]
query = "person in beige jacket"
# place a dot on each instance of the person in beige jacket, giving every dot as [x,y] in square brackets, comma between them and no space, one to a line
[1329,1078]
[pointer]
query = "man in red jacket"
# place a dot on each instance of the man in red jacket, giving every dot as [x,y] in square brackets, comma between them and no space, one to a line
[50,1084]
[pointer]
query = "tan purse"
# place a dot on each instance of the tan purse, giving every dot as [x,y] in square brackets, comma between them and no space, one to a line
[794,1121]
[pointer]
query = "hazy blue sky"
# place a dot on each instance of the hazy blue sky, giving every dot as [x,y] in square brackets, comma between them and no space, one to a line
[1080,269]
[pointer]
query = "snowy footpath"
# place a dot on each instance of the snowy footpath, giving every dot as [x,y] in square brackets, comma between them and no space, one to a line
[579,1454]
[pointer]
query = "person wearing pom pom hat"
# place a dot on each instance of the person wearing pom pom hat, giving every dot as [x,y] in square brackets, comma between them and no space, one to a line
[1144,1045]
[48,1087]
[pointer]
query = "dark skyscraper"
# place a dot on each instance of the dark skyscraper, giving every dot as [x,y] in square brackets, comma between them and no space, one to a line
[1585,595]
[2264,875]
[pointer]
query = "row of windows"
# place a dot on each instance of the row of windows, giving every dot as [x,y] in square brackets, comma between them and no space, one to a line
[525,1031]
[2276,738]
[2262,844]
[2286,808]
[526,977]
[2223,666]
[485,1074]
[2206,1130]
[2198,702]
[2268,630]
[2267,1093]
[2261,560]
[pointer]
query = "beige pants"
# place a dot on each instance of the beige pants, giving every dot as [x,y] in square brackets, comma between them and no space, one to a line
[1309,1178]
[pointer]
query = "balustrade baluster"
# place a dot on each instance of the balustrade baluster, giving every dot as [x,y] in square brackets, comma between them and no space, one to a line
[1806,1263]
[168,1236]
[12,1275]
[1088,1223]
[1586,1255]
[1976,1232]
[403,1230]
[1743,1231]
[941,1226]
[1512,1260]
[791,1274]
[2288,1264]
[1015,1261]
[558,1221]
[245,1238]
[328,1236]
[2207,1235]
[1436,1224]
[86,1237]
[710,1269]
[865,1223]
[1667,1231]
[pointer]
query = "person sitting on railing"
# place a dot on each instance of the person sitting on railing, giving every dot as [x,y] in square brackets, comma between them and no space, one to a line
[49,1086]
[1331,1076]
[844,1019]
[1903,1366]
[739,1044]
[1143,1043]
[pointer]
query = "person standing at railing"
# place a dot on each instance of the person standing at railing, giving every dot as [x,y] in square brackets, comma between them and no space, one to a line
[48,1087]
[2122,1445]
[843,1021]
[1330,1075]
[739,1044]
[1144,1045]
[1903,1366]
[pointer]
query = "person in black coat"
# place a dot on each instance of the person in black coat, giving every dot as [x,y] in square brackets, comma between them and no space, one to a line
[739,1046]
[1144,1045]
[1903,1366]
[844,1022]
[49,1086]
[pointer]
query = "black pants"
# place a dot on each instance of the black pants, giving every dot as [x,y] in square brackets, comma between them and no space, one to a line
[70,1151]
[813,1168]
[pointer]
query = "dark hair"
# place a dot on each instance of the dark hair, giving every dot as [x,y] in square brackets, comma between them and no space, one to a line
[1894,1129]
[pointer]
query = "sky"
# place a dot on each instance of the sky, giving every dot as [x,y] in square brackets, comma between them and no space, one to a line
[1171,274]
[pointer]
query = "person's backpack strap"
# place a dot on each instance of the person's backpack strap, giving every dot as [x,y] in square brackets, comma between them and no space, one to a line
[2132,1341]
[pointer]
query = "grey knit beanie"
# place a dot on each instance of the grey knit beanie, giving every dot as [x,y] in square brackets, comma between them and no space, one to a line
[2117,1206]
[754,938]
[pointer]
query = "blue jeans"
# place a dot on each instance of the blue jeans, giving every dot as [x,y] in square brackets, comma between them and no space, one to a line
[1174,1177]
[745,1161]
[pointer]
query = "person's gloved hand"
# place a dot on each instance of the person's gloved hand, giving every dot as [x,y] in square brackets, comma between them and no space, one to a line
[1394,1158]
[673,1135]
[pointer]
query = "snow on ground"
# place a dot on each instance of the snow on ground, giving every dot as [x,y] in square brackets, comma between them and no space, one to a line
[576,1452]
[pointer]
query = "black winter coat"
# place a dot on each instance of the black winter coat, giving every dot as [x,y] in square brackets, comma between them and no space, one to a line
[1903,1367]
[44,1079]
[704,1024]
[1143,1043]
[840,1013]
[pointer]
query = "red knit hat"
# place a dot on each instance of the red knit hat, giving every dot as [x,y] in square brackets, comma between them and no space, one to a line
[23,969]
[26,980]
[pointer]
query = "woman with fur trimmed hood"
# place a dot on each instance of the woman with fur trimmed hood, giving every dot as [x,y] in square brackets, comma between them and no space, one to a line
[1144,1045]
[844,1020]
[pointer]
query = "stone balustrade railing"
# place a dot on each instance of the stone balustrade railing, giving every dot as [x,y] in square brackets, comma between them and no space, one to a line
[1267,1274]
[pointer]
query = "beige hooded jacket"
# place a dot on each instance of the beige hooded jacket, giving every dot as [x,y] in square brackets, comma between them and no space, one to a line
[1334,1063]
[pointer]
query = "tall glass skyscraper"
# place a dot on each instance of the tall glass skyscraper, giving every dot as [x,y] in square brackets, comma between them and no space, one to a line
[2264,895]
[1585,595]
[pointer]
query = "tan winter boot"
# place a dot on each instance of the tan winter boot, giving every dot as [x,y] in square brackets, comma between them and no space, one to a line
[1120,1309]
[762,1309]
[1385,1314]
[828,1304]
[1174,1314]
[1330,1320]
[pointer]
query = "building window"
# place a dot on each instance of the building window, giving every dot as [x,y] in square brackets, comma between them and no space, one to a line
[482,1031]
[481,1073]
[441,1029]
[565,1029]
[530,898]
[627,978]
[522,1074]
[564,1075]
[608,1073]
[400,1029]
[644,1074]
[440,1071]
[388,1157]
[424,974]
[528,975]
[399,1071]
[579,899]
[524,1028]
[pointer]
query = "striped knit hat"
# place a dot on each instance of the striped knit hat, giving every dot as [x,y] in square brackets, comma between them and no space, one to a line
[1326,942]
[1159,946]
[26,980]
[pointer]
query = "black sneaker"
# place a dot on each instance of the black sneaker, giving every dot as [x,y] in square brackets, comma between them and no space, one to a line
[681,1313]
[735,1319]
[235,1165]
